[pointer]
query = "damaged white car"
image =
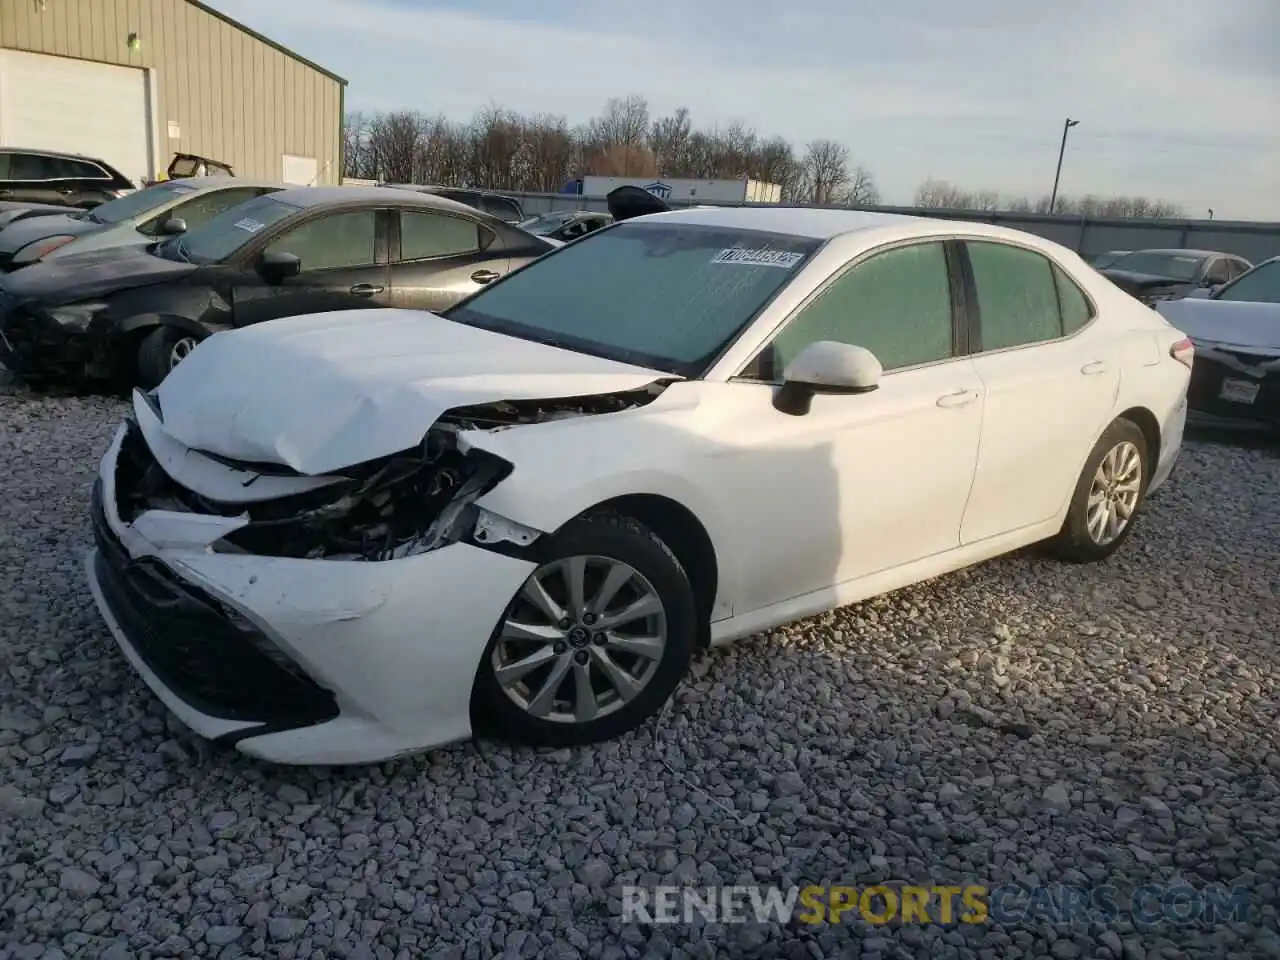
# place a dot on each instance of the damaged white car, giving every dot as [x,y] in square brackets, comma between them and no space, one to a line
[347,537]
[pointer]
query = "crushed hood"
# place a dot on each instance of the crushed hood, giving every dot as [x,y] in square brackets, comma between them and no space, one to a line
[1235,323]
[322,392]
[89,275]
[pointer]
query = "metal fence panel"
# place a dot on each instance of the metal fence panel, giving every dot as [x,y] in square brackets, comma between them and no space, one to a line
[1255,241]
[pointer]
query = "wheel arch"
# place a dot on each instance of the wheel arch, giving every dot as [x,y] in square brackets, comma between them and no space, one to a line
[686,536]
[1146,421]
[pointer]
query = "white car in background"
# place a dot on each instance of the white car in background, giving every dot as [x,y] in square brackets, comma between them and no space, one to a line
[134,220]
[346,537]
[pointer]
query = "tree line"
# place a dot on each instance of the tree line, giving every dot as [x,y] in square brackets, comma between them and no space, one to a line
[500,149]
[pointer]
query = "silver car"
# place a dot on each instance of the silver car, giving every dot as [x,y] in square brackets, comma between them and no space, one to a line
[134,220]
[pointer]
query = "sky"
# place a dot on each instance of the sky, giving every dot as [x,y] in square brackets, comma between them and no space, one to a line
[1177,100]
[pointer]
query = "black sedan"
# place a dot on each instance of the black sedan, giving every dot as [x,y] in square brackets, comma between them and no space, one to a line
[130,316]
[1155,275]
[565,225]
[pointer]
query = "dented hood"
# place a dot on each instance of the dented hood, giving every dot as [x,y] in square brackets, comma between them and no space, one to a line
[319,393]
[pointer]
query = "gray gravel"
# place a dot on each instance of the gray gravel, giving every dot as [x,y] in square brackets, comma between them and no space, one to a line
[1022,721]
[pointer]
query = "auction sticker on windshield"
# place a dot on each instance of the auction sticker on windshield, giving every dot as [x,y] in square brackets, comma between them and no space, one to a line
[249,226]
[758,258]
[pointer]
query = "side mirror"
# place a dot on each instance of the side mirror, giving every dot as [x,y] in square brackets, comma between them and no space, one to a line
[274,266]
[173,226]
[826,367]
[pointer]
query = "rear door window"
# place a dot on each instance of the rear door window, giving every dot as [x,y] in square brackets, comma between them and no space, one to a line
[424,236]
[1017,295]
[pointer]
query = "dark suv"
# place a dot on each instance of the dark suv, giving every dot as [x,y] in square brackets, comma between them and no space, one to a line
[63,179]
[494,204]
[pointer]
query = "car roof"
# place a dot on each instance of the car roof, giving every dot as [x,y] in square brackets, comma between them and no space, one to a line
[1175,252]
[221,180]
[61,154]
[816,223]
[316,196]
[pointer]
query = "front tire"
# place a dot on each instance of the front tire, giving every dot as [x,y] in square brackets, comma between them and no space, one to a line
[1107,497]
[593,644]
[160,351]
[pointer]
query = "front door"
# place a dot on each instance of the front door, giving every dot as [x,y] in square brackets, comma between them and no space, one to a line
[441,258]
[341,269]
[861,483]
[1051,380]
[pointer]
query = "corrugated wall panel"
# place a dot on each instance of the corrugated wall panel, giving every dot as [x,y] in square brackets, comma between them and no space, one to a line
[232,96]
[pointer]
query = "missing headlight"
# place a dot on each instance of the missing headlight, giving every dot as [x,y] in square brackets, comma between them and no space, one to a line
[396,507]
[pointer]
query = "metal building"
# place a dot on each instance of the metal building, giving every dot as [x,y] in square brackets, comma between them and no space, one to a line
[133,82]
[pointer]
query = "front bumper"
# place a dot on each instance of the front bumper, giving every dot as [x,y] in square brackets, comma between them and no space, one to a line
[297,661]
[34,345]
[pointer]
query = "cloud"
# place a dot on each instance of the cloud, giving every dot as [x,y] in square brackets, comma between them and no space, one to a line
[1184,106]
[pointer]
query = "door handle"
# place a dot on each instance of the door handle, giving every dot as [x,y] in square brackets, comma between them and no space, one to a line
[485,276]
[958,398]
[1093,368]
[365,290]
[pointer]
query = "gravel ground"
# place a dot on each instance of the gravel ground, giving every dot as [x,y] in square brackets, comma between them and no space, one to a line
[1023,721]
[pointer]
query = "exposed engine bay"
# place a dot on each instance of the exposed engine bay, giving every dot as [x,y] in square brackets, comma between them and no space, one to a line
[386,509]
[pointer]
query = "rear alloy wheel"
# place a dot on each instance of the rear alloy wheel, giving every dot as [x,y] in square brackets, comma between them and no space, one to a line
[160,351]
[1108,494]
[594,642]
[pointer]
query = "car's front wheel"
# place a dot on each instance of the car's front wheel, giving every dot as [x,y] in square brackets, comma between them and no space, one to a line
[1104,505]
[593,643]
[160,351]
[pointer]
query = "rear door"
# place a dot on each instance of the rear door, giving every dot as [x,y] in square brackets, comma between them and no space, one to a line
[438,258]
[1051,377]
[344,267]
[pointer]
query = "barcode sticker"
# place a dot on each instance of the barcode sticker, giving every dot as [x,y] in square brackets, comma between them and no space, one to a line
[758,258]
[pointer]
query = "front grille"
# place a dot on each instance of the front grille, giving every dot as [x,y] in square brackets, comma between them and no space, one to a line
[213,660]
[1204,394]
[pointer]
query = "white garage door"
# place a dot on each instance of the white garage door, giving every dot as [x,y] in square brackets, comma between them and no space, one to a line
[97,109]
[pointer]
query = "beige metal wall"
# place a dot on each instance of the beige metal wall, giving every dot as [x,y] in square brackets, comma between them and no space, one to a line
[232,96]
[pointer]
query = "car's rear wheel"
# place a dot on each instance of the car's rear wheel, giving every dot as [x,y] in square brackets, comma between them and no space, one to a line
[594,642]
[1105,503]
[160,351]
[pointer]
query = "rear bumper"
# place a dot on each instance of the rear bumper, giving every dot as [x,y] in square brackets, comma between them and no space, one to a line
[1206,400]
[1171,434]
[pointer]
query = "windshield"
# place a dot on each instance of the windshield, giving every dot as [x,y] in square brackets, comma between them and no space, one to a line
[139,202]
[1172,265]
[1261,284]
[662,295]
[221,237]
[1108,259]
[545,223]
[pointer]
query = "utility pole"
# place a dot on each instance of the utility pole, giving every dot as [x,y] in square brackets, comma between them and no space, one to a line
[1053,197]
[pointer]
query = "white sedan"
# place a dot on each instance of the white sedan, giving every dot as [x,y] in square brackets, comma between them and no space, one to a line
[350,536]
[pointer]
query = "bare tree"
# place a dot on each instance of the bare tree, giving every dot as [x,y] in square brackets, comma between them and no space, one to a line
[861,189]
[669,141]
[826,167]
[394,141]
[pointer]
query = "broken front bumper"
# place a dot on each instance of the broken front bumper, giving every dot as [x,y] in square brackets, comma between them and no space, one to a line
[33,345]
[297,661]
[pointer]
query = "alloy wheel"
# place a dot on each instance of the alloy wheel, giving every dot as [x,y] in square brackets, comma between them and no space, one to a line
[1113,494]
[180,350]
[583,637]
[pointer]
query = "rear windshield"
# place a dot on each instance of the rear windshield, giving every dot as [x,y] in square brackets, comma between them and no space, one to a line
[1171,265]
[139,202]
[663,295]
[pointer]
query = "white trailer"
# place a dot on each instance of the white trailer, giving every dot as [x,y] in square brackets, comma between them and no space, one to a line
[681,190]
